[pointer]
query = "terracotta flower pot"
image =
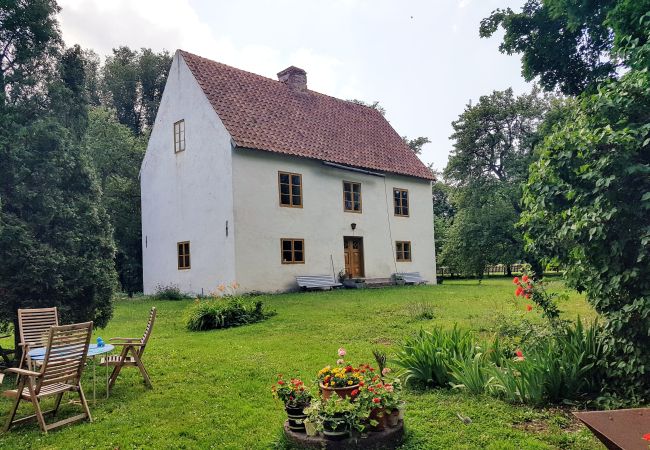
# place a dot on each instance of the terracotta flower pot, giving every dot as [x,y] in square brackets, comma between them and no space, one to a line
[296,418]
[342,392]
[379,415]
[393,418]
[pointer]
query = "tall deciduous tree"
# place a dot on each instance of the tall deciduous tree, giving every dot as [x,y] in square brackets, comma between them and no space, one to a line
[587,202]
[568,44]
[494,144]
[117,154]
[132,83]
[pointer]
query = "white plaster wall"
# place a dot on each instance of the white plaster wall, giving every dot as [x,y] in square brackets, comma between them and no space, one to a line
[322,223]
[187,196]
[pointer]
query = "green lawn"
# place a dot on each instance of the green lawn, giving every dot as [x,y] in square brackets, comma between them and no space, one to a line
[212,389]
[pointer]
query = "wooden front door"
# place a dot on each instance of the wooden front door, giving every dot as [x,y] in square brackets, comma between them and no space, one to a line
[353,250]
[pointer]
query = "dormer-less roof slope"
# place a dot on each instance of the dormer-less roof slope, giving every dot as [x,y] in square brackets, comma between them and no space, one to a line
[264,114]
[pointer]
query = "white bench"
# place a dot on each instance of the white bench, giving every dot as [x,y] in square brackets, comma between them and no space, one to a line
[317,282]
[411,277]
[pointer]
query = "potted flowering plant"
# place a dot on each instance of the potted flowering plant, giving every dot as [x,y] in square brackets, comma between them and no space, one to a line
[382,398]
[334,416]
[342,379]
[296,398]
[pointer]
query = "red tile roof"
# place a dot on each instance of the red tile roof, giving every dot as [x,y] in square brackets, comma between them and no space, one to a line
[264,114]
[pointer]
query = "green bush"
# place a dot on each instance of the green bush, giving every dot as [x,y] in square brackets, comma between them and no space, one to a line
[170,292]
[225,313]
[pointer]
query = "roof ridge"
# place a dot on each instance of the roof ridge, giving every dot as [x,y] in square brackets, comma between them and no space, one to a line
[265,78]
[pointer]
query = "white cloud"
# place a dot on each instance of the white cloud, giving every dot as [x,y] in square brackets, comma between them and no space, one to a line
[172,24]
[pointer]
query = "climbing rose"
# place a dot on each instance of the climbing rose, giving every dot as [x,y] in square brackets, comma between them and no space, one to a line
[515,280]
[354,393]
[341,352]
[376,400]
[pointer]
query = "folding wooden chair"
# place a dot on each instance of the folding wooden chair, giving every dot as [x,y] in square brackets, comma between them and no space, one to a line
[6,353]
[63,365]
[33,326]
[133,346]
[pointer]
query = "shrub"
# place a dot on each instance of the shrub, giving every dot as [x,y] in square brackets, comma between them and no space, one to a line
[225,313]
[169,292]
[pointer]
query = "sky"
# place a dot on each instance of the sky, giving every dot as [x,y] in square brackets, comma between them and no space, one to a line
[423,60]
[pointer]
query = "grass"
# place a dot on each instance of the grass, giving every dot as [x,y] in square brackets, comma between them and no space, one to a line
[212,389]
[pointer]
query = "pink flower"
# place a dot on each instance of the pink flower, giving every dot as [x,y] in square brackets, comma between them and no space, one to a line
[340,362]
[389,387]
[385,371]
[341,352]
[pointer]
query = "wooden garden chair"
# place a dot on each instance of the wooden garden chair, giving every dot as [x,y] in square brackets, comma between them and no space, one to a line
[131,354]
[33,326]
[63,364]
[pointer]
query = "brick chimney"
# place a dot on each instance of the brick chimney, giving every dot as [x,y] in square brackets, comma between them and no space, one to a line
[294,77]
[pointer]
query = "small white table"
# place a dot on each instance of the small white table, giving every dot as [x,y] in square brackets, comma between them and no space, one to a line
[38,354]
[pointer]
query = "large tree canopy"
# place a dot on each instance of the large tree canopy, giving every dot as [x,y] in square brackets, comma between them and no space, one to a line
[587,202]
[133,83]
[56,241]
[568,43]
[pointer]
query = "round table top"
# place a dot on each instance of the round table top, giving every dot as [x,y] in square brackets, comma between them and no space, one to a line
[38,354]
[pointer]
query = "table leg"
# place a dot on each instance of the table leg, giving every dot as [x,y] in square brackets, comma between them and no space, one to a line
[94,378]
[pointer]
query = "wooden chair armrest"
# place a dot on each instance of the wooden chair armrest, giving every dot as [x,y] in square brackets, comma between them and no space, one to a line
[129,344]
[18,371]
[123,339]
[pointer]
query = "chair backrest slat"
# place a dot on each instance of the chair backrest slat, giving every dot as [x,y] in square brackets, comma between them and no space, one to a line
[147,330]
[65,355]
[34,324]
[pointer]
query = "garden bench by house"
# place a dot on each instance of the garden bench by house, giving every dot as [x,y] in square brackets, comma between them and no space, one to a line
[411,277]
[317,282]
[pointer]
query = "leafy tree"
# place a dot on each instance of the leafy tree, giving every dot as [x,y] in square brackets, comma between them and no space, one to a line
[587,202]
[373,105]
[494,144]
[55,239]
[133,83]
[568,43]
[117,154]
[482,232]
[416,144]
[29,39]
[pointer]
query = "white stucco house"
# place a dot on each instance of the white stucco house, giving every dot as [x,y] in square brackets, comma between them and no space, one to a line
[257,181]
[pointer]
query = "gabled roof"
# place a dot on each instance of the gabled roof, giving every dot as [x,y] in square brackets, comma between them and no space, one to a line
[264,114]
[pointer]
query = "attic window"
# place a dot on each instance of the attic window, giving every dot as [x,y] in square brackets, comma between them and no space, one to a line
[179,136]
[183,255]
[290,186]
[401,202]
